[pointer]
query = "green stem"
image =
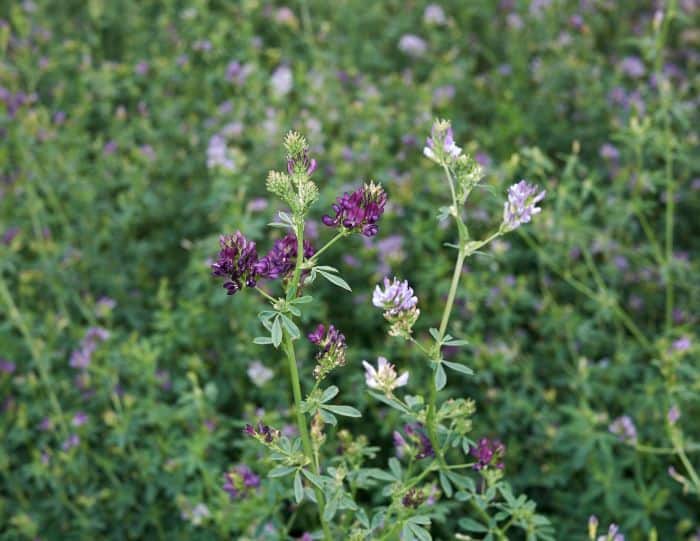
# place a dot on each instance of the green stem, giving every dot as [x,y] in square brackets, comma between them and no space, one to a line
[303,428]
[296,384]
[330,243]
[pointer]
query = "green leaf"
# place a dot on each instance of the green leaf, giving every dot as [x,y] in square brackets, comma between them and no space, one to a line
[298,488]
[335,280]
[459,368]
[456,343]
[302,300]
[281,471]
[389,402]
[435,334]
[420,533]
[472,525]
[328,417]
[395,467]
[262,340]
[329,393]
[290,327]
[381,475]
[445,484]
[440,377]
[276,333]
[315,479]
[331,507]
[345,411]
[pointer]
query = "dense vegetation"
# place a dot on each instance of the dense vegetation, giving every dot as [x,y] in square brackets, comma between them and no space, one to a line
[134,133]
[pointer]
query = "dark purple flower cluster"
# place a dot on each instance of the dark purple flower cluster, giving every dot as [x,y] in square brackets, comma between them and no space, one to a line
[262,432]
[488,453]
[282,257]
[332,349]
[238,260]
[359,211]
[240,481]
[416,433]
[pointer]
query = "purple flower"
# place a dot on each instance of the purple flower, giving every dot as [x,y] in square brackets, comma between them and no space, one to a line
[237,262]
[624,428]
[9,235]
[72,441]
[434,14]
[359,211]
[332,348]
[413,498]
[399,443]
[240,481]
[397,297]
[82,357]
[609,152]
[440,146]
[262,432]
[521,205]
[142,68]
[218,154]
[237,73]
[79,419]
[259,374]
[682,344]
[488,453]
[8,367]
[282,81]
[632,66]
[413,45]
[612,535]
[281,259]
[416,433]
[673,415]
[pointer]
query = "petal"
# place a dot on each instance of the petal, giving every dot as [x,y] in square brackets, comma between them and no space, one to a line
[401,380]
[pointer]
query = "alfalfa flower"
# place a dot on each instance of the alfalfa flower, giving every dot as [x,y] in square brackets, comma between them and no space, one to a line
[281,259]
[399,305]
[240,481]
[332,349]
[440,146]
[262,432]
[259,374]
[384,378]
[236,262]
[488,453]
[521,205]
[359,211]
[624,428]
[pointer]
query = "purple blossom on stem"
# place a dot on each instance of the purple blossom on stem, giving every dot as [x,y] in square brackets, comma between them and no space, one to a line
[281,259]
[440,146]
[673,415]
[624,428]
[72,441]
[82,357]
[521,205]
[332,349]
[261,432]
[240,481]
[8,367]
[237,262]
[397,297]
[359,211]
[488,453]
[424,448]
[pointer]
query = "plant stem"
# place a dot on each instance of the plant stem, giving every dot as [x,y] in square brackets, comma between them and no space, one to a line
[326,246]
[303,428]
[296,383]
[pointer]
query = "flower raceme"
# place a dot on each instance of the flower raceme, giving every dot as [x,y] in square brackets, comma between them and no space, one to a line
[521,205]
[332,349]
[399,305]
[440,146]
[359,211]
[384,378]
[238,260]
[239,481]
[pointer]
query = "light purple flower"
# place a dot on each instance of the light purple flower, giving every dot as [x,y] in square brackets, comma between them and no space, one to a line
[609,152]
[72,441]
[396,297]
[259,374]
[434,14]
[282,81]
[79,419]
[8,367]
[624,428]
[682,344]
[632,66]
[673,415]
[521,205]
[413,45]
[440,146]
[218,154]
